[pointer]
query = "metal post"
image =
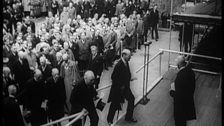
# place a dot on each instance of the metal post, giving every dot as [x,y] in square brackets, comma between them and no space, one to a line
[192,42]
[182,40]
[145,100]
[171,13]
[160,60]
[144,73]
[199,26]
[147,71]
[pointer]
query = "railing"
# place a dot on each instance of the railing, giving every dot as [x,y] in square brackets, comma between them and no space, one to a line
[196,55]
[199,70]
[62,119]
[82,114]
[76,116]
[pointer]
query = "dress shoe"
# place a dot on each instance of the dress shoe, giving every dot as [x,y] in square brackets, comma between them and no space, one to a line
[110,123]
[131,120]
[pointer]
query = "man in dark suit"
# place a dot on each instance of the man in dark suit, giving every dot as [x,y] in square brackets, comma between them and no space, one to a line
[34,95]
[109,51]
[84,52]
[86,9]
[96,64]
[120,89]
[146,24]
[82,97]
[45,68]
[11,111]
[99,6]
[183,93]
[98,41]
[154,22]
[55,94]
[28,23]
[187,37]
[13,56]
[21,70]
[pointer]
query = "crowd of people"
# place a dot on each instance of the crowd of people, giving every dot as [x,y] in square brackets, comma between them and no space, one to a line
[76,36]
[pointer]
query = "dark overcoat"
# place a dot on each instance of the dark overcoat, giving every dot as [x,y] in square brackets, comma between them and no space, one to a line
[82,97]
[12,115]
[184,94]
[120,82]
[96,65]
[55,94]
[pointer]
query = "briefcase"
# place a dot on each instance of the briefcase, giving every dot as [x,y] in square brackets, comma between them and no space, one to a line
[100,105]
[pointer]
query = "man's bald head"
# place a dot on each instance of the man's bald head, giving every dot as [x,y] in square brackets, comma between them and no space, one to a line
[12,89]
[89,77]
[180,61]
[58,56]
[37,74]
[6,71]
[55,72]
[126,54]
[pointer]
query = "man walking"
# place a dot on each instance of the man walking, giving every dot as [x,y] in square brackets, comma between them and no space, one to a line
[120,88]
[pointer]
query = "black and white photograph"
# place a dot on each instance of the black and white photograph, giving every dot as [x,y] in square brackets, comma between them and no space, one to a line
[111,63]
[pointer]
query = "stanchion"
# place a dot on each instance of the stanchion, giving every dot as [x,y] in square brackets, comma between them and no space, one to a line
[145,100]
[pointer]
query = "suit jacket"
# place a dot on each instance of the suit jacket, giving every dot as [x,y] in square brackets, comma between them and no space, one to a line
[112,39]
[98,41]
[96,65]
[130,27]
[154,17]
[84,51]
[33,95]
[11,112]
[58,65]
[121,77]
[46,73]
[82,96]
[12,59]
[55,93]
[86,6]
[140,27]
[75,50]
[184,94]
[146,21]
[22,72]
